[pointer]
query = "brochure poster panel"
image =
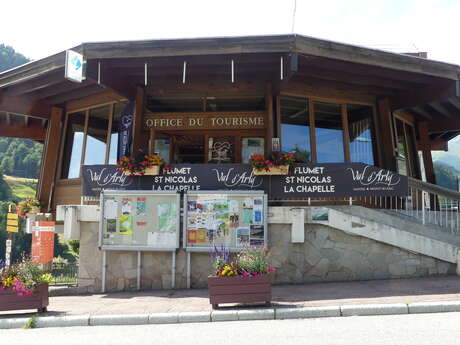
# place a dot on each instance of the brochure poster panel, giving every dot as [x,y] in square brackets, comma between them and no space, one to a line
[139,220]
[235,219]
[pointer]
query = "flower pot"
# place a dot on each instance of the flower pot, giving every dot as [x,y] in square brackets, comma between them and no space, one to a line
[34,209]
[154,170]
[275,170]
[239,289]
[39,299]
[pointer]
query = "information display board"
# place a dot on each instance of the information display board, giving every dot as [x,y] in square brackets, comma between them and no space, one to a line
[235,219]
[139,220]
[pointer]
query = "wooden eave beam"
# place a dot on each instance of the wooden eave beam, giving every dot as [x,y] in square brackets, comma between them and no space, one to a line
[24,105]
[75,94]
[36,84]
[33,132]
[352,79]
[440,109]
[66,86]
[439,91]
[206,46]
[419,111]
[443,124]
[32,70]
[345,52]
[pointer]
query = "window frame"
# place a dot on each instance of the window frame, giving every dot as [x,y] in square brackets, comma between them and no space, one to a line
[343,103]
[86,110]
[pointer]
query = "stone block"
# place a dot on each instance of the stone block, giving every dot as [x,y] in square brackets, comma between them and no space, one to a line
[127,319]
[224,315]
[397,269]
[434,307]
[443,267]
[63,321]
[159,318]
[320,269]
[312,255]
[12,323]
[202,316]
[256,314]
[374,309]
[306,312]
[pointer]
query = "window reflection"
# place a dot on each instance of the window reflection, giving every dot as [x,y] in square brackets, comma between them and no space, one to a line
[329,132]
[295,127]
[362,137]
[96,137]
[73,145]
[249,146]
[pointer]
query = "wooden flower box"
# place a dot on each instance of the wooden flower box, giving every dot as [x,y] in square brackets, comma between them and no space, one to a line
[277,170]
[10,300]
[239,289]
[154,170]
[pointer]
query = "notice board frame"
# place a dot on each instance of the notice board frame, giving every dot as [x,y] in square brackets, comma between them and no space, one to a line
[250,193]
[105,193]
[138,249]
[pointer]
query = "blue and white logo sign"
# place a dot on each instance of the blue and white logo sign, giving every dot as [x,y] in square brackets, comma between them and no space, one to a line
[74,66]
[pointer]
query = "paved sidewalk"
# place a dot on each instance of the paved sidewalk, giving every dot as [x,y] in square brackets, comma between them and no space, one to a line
[433,289]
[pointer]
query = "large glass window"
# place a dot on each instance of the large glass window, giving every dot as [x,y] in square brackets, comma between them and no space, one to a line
[295,127]
[329,132]
[96,136]
[361,132]
[73,145]
[89,130]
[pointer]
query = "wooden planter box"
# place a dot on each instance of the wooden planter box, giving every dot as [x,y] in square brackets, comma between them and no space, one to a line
[10,300]
[279,170]
[239,289]
[155,170]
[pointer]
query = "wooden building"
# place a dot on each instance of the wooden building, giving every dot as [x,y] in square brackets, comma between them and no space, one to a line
[336,102]
[330,102]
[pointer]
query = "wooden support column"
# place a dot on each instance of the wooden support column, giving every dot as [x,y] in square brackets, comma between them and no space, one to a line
[50,157]
[138,140]
[346,133]
[425,146]
[270,118]
[385,135]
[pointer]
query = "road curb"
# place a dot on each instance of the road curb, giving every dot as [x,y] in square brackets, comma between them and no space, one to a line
[235,315]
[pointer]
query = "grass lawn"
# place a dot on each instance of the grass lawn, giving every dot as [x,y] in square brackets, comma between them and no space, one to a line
[22,187]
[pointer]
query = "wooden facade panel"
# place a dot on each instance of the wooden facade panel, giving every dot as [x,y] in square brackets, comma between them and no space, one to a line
[209,120]
[67,193]
[95,100]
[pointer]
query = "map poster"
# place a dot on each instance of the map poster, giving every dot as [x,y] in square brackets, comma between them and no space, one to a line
[167,214]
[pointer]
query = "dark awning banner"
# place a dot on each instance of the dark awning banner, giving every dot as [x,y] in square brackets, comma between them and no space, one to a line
[328,180]
[125,131]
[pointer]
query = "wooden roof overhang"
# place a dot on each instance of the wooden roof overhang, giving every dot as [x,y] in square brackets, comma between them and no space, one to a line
[427,89]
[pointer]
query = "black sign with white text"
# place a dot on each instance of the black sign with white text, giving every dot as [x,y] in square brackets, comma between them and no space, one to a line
[328,180]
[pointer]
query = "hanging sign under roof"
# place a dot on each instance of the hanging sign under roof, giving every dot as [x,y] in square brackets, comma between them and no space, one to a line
[74,66]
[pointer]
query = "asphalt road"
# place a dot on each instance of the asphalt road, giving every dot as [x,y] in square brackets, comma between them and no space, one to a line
[419,329]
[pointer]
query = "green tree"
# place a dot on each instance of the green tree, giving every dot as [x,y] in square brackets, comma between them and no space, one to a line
[10,59]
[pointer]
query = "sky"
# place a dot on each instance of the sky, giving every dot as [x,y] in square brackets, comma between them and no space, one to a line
[38,29]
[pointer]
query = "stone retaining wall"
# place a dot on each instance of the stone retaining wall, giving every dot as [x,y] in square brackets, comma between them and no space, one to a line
[327,255]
